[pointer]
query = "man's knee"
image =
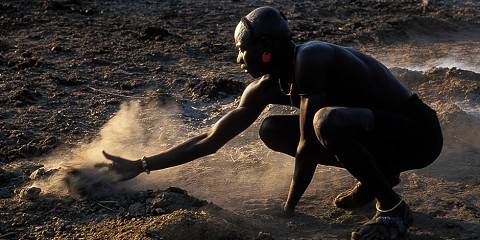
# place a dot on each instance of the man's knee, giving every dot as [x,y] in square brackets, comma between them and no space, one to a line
[281,133]
[332,123]
[267,131]
[325,124]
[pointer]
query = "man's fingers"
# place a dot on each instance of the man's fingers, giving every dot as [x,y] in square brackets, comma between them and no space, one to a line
[103,165]
[110,157]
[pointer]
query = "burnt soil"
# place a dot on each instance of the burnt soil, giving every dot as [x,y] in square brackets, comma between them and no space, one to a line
[66,66]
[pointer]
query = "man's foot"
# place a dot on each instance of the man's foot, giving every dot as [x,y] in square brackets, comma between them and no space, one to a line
[386,225]
[356,197]
[359,195]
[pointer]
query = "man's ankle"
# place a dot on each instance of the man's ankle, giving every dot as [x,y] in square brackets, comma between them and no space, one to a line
[387,204]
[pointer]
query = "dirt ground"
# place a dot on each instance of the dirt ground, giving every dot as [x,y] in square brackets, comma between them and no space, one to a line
[135,77]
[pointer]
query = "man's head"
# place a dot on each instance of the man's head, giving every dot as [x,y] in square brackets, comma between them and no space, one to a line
[256,36]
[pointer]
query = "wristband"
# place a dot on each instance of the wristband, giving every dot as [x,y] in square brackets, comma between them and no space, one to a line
[144,165]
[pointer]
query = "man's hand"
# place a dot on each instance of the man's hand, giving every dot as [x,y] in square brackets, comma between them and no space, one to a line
[126,169]
[288,210]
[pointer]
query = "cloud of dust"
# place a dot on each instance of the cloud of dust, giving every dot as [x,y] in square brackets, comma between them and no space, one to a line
[135,130]
[242,170]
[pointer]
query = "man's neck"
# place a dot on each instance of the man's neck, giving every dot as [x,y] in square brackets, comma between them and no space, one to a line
[285,69]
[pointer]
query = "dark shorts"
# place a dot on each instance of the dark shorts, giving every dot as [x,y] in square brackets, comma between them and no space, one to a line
[407,137]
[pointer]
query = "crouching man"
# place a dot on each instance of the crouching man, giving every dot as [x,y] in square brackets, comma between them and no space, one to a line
[354,114]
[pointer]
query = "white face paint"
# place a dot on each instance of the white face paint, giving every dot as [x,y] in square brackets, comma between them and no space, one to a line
[249,54]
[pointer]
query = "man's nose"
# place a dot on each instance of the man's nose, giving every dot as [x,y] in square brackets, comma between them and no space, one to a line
[240,58]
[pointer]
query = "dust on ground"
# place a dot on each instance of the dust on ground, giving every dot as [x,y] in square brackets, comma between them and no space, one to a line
[73,70]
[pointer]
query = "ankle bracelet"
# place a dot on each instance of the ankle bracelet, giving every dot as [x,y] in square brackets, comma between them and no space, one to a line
[389,210]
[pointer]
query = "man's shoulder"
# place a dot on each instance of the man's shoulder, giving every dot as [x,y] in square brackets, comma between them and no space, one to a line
[265,82]
[262,86]
[313,65]
[314,52]
[261,91]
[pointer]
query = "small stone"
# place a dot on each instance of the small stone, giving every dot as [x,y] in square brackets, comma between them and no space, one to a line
[453,225]
[5,193]
[30,193]
[136,209]
[42,173]
[176,190]
[264,236]
[5,177]
[56,49]
[159,211]
[37,174]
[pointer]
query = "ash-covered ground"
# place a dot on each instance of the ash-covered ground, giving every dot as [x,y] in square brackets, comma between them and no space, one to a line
[136,77]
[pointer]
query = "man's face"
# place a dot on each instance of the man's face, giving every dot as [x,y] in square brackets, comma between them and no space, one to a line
[249,52]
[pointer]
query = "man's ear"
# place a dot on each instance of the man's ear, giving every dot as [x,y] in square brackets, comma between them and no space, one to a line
[266,57]
[266,46]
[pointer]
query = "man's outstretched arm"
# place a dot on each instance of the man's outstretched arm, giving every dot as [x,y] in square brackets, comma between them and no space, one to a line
[255,98]
[225,129]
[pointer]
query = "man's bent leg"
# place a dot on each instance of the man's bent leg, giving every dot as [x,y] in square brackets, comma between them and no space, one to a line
[359,195]
[340,130]
[281,133]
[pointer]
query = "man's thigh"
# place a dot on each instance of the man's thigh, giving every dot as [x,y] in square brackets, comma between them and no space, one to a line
[281,133]
[401,142]
[382,133]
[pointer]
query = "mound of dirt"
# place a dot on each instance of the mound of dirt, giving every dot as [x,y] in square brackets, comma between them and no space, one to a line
[218,88]
[25,97]
[168,214]
[154,33]
[455,95]
[380,22]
